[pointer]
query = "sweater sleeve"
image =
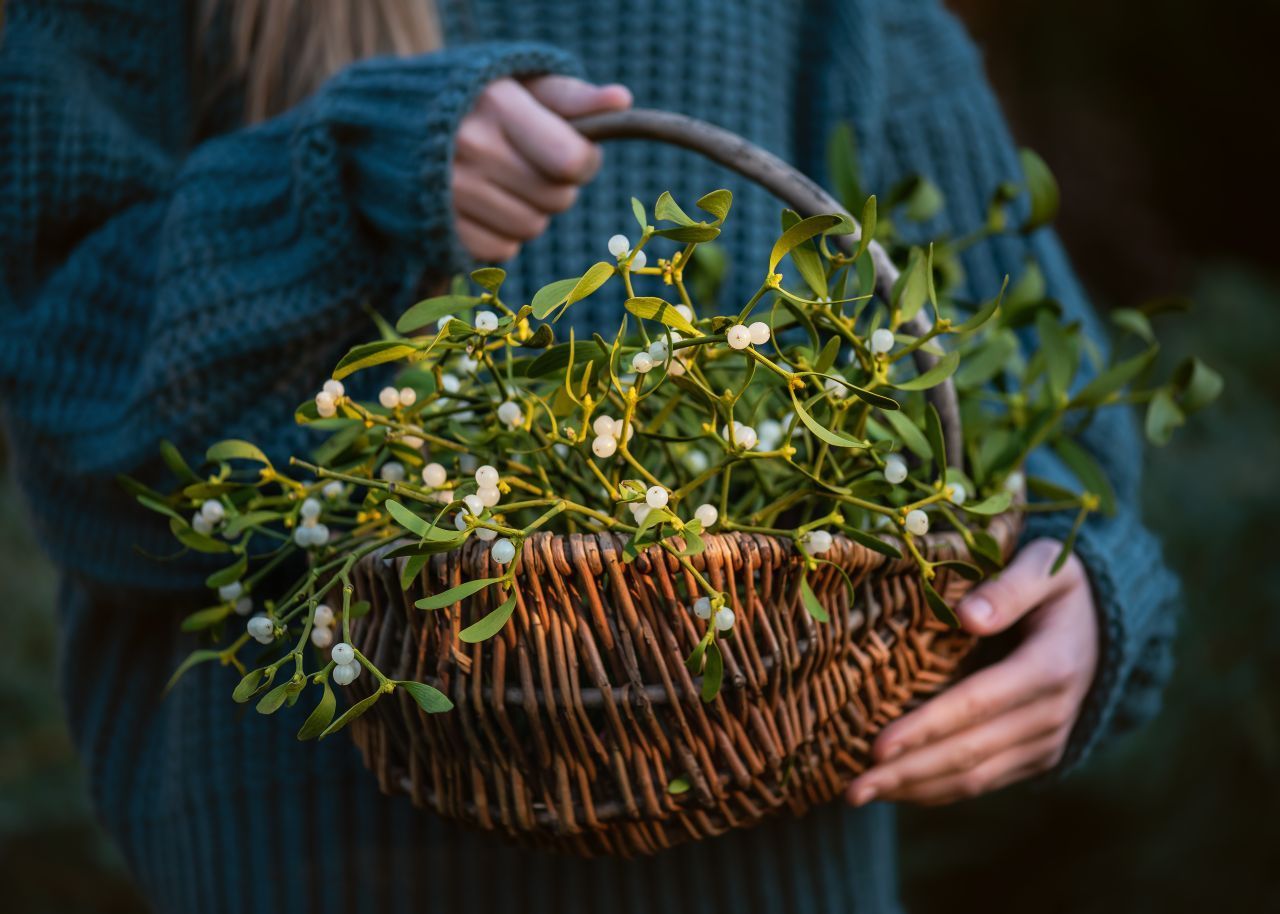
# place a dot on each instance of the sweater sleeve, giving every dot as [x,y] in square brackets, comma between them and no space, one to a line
[934,115]
[149,294]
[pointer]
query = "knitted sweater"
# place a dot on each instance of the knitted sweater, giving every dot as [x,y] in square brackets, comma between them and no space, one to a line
[154,286]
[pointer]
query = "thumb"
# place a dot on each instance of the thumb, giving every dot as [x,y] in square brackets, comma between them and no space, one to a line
[570,97]
[1026,583]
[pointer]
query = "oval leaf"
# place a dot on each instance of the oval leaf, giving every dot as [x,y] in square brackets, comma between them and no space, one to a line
[429,698]
[491,624]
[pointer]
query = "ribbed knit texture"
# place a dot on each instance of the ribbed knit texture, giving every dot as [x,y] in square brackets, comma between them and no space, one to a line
[150,289]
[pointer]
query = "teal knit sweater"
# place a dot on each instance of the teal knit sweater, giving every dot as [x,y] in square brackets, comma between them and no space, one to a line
[161,278]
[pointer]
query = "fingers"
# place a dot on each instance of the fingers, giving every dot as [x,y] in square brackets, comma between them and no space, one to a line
[483,244]
[965,750]
[541,136]
[1009,766]
[490,207]
[570,98]
[480,147]
[1026,583]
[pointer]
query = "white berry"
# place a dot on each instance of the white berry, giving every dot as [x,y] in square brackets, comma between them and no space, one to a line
[310,509]
[656,497]
[604,446]
[345,674]
[342,653]
[770,434]
[707,515]
[657,351]
[604,425]
[489,495]
[434,475]
[639,260]
[200,525]
[323,616]
[325,407]
[450,383]
[408,396]
[389,397]
[392,471]
[261,629]
[738,336]
[724,618]
[835,389]
[475,505]
[244,606]
[509,413]
[702,607]
[895,469]
[817,542]
[486,321]
[760,333]
[957,494]
[882,340]
[1014,482]
[484,534]
[619,245]
[332,490]
[335,388]
[486,476]
[917,523]
[229,592]
[321,636]
[642,363]
[685,311]
[503,551]
[212,511]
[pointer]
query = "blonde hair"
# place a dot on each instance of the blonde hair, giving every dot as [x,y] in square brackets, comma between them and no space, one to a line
[280,51]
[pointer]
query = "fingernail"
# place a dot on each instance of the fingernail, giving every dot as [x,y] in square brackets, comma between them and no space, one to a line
[977,609]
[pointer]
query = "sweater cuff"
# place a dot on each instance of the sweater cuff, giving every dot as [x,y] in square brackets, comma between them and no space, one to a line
[388,126]
[1137,600]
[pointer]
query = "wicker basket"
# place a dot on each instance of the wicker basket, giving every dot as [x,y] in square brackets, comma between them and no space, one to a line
[573,726]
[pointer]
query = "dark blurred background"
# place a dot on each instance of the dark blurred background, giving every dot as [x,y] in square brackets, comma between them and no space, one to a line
[1155,118]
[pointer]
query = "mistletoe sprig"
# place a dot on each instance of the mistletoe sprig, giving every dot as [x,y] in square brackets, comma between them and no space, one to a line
[798,413]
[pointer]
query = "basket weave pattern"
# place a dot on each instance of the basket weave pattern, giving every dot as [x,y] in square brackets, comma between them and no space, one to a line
[570,724]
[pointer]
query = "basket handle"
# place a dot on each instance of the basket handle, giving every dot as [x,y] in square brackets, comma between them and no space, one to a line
[799,192]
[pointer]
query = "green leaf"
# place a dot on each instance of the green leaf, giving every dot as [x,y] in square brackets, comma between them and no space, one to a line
[556,359]
[228,575]
[1060,354]
[698,233]
[991,505]
[1108,382]
[551,296]
[910,433]
[799,233]
[656,309]
[811,603]
[416,525]
[827,357]
[429,311]
[489,278]
[367,355]
[159,507]
[842,164]
[197,541]
[251,683]
[1043,189]
[870,541]
[835,439]
[593,279]
[986,312]
[995,354]
[356,710]
[454,594]
[1163,416]
[235,449]
[429,698]
[943,369]
[320,717]
[1069,544]
[678,786]
[192,659]
[912,288]
[637,210]
[1086,469]
[1196,385]
[868,226]
[274,700]
[937,440]
[204,618]
[712,673]
[717,203]
[964,569]
[1134,321]
[358,609]
[242,522]
[941,610]
[667,210]
[173,459]
[491,624]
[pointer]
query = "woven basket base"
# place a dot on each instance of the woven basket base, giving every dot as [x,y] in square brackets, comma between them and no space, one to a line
[576,727]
